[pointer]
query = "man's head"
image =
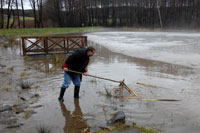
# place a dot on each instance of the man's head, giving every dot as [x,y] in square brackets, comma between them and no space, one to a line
[90,51]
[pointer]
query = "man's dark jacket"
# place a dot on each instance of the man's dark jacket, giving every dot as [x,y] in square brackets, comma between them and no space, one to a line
[78,61]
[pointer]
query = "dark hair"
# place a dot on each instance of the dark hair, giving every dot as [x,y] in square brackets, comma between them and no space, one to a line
[90,49]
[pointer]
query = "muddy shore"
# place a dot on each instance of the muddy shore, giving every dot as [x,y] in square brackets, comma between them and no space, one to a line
[16,104]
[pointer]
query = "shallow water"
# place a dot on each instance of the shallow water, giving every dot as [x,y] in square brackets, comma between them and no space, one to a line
[173,47]
[165,78]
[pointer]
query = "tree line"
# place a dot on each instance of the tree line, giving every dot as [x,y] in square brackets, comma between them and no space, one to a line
[78,13]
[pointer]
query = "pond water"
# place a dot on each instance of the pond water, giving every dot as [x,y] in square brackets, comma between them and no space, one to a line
[169,62]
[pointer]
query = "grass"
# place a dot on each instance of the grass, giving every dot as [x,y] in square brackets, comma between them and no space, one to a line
[121,127]
[20,18]
[57,60]
[26,18]
[43,129]
[15,33]
[94,81]
[23,74]
[27,114]
[11,68]
[25,85]
[26,58]
[108,93]
[6,89]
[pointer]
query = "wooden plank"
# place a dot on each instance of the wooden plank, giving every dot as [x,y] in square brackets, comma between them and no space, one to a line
[55,43]
[75,42]
[23,46]
[35,44]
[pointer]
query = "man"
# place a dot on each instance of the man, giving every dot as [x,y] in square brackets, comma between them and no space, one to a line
[78,61]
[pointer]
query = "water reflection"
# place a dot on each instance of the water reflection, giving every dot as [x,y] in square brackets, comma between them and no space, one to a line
[74,122]
[106,56]
[46,64]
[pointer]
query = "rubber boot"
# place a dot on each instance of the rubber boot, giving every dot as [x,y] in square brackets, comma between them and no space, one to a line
[76,91]
[62,92]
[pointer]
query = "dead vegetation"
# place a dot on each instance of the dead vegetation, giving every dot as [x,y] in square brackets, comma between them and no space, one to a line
[24,84]
[56,60]
[43,129]
[8,42]
[108,93]
[123,127]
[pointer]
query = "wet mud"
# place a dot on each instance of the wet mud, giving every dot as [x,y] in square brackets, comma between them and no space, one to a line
[95,107]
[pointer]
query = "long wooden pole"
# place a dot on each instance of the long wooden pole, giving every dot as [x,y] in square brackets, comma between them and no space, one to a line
[151,99]
[95,76]
[121,82]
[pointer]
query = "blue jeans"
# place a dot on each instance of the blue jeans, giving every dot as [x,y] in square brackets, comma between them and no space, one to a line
[67,80]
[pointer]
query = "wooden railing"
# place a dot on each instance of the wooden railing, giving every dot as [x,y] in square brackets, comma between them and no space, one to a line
[52,44]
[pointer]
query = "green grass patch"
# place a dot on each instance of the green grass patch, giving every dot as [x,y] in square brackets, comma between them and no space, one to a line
[15,33]
[16,19]
[26,18]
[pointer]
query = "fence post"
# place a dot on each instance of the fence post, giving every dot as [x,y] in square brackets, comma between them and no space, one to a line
[45,44]
[64,44]
[23,46]
[67,44]
[85,41]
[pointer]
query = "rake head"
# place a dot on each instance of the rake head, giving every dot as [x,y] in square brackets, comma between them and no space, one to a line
[123,86]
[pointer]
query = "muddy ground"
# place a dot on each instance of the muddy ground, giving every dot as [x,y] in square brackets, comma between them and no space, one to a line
[28,110]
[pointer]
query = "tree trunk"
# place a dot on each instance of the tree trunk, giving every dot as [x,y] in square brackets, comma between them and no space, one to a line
[41,11]
[57,6]
[161,25]
[39,5]
[23,14]
[2,15]
[13,22]
[8,15]
[18,13]
[33,5]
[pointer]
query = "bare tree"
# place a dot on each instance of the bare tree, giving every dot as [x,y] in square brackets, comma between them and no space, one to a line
[33,5]
[13,22]
[9,2]
[57,6]
[23,13]
[2,14]
[16,2]
[40,7]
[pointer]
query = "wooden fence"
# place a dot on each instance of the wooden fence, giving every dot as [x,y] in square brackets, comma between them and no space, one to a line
[52,44]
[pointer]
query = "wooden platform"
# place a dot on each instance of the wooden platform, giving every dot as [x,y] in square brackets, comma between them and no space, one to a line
[52,44]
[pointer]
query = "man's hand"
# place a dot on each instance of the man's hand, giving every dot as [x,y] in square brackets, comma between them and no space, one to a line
[85,73]
[65,69]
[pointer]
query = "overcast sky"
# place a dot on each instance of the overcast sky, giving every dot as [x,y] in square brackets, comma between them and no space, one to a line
[26,4]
